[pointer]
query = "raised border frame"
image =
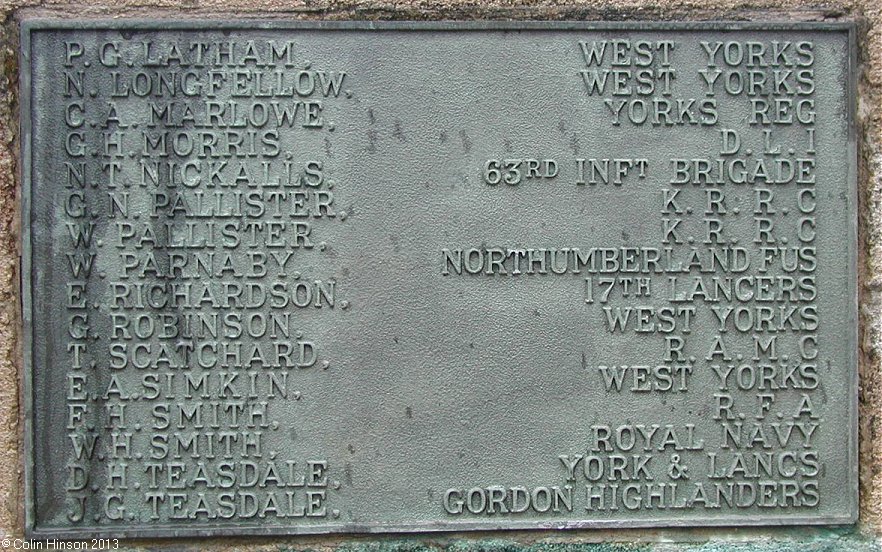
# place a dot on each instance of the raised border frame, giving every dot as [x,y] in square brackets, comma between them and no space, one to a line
[30,26]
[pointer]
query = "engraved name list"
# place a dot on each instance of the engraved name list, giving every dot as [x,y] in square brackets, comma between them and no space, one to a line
[337,278]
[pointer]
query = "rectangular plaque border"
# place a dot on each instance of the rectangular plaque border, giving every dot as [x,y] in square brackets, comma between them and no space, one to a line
[27,26]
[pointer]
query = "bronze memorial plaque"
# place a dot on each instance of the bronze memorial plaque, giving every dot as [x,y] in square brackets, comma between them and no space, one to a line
[286,278]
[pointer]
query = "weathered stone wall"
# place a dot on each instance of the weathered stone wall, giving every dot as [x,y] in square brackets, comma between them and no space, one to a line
[867,13]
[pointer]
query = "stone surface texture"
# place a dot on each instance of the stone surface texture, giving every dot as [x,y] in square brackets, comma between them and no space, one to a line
[866,536]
